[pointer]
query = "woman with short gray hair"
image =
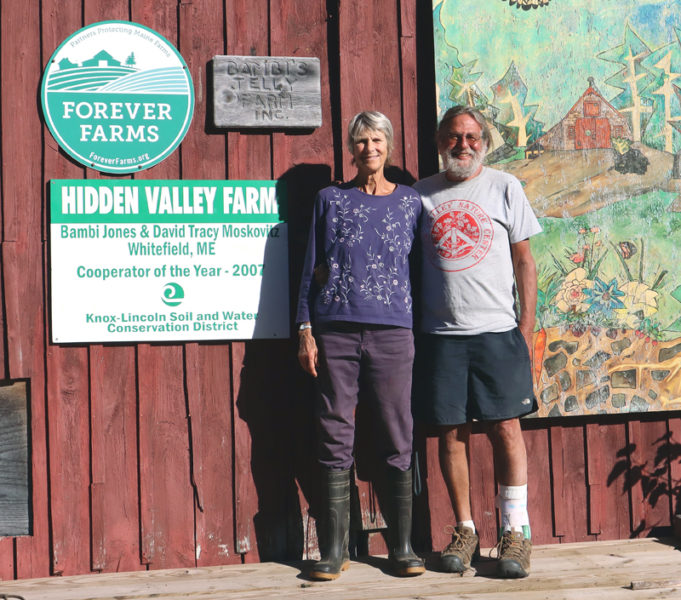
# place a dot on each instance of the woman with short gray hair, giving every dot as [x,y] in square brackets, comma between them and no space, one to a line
[370,120]
[355,331]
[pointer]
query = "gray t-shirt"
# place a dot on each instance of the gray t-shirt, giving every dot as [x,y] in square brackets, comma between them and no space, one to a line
[466,231]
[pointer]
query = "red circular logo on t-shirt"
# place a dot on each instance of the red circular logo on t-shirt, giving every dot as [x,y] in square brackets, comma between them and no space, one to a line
[461,234]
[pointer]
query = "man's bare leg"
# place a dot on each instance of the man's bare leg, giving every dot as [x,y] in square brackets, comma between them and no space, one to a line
[510,455]
[453,453]
[510,463]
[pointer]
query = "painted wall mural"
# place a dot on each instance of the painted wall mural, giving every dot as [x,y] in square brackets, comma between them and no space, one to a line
[585,101]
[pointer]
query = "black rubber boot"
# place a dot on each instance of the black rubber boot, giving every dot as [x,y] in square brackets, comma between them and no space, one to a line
[335,558]
[403,561]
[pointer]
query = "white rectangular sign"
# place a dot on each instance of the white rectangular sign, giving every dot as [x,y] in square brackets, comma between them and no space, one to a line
[138,261]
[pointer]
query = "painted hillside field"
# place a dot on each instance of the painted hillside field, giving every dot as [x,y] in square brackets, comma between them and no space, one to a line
[585,103]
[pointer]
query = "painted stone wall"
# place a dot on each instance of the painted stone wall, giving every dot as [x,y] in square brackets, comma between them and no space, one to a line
[605,370]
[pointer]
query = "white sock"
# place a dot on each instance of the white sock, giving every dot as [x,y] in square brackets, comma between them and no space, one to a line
[512,504]
[468,524]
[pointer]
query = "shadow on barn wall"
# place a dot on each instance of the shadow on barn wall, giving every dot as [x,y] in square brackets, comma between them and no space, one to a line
[655,478]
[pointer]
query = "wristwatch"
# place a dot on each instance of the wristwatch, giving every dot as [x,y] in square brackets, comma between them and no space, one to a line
[304,326]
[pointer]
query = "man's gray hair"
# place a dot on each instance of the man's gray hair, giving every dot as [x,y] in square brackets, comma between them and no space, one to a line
[460,109]
[370,120]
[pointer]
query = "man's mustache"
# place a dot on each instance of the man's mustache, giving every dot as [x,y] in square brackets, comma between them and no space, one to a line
[455,154]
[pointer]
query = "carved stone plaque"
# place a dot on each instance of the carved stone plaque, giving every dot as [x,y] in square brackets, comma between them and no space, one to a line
[277,92]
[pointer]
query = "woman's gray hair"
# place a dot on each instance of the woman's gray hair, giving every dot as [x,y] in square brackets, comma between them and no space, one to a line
[370,120]
[460,109]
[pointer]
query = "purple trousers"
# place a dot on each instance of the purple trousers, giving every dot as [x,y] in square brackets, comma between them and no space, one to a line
[379,359]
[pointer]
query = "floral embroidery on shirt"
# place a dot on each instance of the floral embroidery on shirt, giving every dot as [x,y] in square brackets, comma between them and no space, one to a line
[349,222]
[340,282]
[396,237]
[408,205]
[382,281]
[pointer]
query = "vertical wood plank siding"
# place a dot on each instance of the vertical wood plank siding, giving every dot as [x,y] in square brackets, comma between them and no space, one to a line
[176,455]
[249,157]
[23,253]
[166,492]
[114,489]
[209,393]
[67,372]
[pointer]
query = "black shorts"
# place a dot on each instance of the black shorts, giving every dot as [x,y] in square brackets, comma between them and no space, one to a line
[461,378]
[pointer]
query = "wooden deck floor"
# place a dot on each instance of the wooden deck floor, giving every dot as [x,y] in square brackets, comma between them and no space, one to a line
[616,570]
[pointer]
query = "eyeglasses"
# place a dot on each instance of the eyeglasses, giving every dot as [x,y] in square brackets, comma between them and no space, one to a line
[471,139]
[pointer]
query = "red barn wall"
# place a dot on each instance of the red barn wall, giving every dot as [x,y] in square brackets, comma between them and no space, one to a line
[149,456]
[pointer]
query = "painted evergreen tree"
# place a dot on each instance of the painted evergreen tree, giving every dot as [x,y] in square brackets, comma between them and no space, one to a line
[632,79]
[464,88]
[676,168]
[130,61]
[510,94]
[664,65]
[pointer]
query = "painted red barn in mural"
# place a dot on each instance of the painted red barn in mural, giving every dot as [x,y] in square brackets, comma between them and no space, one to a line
[591,123]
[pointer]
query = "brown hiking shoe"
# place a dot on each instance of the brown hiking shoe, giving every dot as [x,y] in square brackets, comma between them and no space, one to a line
[464,547]
[514,552]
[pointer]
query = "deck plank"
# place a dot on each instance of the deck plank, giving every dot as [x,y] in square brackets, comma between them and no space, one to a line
[584,571]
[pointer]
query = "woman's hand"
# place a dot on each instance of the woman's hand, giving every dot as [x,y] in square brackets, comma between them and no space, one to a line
[307,352]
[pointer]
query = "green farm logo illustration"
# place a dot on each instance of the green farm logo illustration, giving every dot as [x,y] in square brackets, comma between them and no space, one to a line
[117,97]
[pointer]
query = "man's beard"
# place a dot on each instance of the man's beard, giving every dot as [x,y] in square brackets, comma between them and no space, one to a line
[460,169]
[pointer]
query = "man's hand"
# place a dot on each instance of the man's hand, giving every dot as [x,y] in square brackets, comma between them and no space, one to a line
[321,274]
[307,352]
[528,334]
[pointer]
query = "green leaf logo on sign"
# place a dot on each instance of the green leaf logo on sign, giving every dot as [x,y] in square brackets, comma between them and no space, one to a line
[173,294]
[117,97]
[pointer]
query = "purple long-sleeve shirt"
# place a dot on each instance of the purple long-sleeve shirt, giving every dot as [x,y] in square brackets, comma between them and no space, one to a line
[364,241]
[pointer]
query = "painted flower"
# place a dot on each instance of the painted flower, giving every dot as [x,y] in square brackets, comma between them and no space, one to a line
[604,297]
[571,296]
[640,301]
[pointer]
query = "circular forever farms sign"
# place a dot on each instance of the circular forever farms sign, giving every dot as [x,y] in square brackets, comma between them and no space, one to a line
[117,97]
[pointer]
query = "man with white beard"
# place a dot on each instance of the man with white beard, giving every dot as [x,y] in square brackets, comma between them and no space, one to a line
[472,355]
